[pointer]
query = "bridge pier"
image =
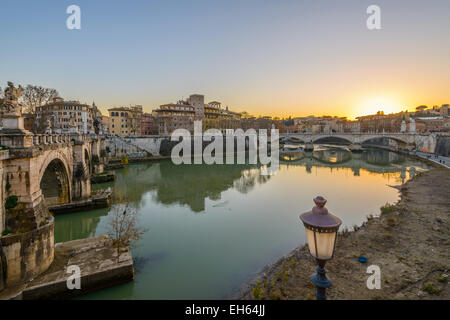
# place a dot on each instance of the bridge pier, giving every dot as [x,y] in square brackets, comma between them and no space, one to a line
[355,147]
[309,146]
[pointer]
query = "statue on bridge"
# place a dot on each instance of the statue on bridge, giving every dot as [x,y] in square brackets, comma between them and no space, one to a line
[10,103]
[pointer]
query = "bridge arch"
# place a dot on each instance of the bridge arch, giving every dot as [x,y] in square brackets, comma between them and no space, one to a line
[332,137]
[391,137]
[292,140]
[55,179]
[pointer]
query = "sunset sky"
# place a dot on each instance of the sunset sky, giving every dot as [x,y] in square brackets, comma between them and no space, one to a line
[281,58]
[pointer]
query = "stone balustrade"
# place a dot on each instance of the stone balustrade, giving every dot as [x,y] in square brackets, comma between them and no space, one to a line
[48,139]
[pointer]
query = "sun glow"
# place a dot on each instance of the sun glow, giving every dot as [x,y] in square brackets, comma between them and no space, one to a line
[375,104]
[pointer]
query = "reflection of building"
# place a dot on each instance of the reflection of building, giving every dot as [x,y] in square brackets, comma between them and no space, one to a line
[125,121]
[187,185]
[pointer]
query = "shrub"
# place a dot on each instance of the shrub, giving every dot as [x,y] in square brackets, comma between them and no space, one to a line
[387,208]
[430,289]
[6,232]
[11,202]
[257,292]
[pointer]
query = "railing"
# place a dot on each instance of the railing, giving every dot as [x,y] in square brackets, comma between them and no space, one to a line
[48,139]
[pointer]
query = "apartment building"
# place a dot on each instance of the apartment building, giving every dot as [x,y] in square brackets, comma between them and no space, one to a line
[182,114]
[148,125]
[125,121]
[61,116]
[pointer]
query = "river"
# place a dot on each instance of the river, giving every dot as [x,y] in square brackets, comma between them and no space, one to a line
[211,228]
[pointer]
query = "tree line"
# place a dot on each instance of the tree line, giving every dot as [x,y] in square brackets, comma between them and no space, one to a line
[34,96]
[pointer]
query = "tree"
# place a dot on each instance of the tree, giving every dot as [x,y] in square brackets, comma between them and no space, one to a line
[35,96]
[123,225]
[1,93]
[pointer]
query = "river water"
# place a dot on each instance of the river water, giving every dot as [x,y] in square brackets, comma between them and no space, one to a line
[213,227]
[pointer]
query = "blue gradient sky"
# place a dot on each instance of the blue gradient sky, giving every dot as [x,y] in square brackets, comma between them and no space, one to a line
[286,57]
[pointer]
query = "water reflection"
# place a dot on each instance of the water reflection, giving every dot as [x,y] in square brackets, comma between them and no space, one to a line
[186,184]
[83,227]
[212,227]
[192,185]
[372,160]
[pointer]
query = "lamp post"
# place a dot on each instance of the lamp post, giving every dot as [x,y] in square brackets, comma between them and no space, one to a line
[321,231]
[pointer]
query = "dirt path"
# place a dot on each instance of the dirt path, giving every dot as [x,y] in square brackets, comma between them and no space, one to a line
[410,242]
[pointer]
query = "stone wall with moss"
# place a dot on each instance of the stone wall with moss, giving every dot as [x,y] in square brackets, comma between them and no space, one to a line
[28,254]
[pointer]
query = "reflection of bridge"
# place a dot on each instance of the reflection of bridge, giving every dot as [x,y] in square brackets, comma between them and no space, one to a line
[377,161]
[403,140]
[37,171]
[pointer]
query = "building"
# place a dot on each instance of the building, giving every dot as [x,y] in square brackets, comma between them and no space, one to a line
[105,125]
[125,121]
[443,111]
[432,124]
[148,125]
[181,115]
[29,122]
[61,116]
[380,122]
[172,116]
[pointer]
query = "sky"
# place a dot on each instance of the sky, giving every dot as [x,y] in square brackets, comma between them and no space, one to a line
[266,57]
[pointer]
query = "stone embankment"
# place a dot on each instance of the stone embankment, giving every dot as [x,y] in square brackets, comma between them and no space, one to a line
[102,178]
[100,264]
[410,242]
[100,199]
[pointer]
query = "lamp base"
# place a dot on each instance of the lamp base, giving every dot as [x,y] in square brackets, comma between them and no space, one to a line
[322,283]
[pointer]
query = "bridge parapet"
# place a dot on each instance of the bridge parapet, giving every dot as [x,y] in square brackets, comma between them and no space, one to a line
[48,138]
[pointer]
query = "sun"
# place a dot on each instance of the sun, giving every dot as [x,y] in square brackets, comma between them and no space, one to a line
[374,104]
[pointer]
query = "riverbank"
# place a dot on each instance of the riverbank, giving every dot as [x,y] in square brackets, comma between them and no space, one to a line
[410,242]
[100,264]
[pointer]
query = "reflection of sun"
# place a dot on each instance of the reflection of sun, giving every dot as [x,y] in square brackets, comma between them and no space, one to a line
[375,104]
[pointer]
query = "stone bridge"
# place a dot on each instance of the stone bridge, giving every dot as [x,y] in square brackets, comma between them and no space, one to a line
[423,142]
[36,173]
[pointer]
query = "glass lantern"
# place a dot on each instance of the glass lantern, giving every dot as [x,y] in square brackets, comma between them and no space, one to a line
[321,230]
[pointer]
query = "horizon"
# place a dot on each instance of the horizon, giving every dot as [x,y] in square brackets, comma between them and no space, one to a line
[267,58]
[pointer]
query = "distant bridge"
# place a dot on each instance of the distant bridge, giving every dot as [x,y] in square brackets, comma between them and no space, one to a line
[407,140]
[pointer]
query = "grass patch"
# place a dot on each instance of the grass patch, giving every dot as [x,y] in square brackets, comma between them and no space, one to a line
[430,289]
[257,291]
[387,208]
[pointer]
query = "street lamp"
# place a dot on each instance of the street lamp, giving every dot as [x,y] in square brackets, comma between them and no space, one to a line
[321,231]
